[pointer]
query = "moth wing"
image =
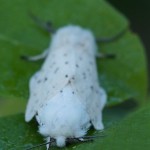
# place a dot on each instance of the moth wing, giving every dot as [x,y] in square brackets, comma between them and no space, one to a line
[33,98]
[94,101]
[98,101]
[56,72]
[94,98]
[87,86]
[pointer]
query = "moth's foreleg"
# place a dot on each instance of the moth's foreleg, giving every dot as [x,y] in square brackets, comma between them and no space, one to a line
[37,57]
[102,55]
[78,140]
[85,140]
[90,138]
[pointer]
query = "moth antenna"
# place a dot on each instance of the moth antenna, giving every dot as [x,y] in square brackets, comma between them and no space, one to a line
[39,145]
[113,38]
[45,25]
[70,140]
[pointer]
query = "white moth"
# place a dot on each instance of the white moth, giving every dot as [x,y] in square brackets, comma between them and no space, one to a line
[65,95]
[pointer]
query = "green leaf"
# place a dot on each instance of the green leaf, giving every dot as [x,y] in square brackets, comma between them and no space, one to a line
[123,78]
[131,134]
[15,134]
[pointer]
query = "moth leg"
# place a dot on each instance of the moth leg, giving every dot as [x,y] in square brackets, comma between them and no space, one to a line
[102,55]
[90,138]
[85,140]
[81,139]
[37,57]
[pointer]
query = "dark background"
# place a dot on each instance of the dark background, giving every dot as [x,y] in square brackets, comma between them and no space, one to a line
[138,13]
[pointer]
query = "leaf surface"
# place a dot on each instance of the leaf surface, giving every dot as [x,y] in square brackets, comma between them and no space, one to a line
[124,77]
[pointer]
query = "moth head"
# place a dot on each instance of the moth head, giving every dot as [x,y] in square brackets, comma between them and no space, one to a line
[74,36]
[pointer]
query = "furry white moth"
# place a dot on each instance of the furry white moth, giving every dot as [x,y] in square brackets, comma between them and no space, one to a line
[65,95]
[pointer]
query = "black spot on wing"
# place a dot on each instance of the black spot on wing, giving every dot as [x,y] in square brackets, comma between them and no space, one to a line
[56,70]
[65,54]
[66,76]
[84,75]
[66,62]
[39,81]
[80,58]
[45,79]
[77,65]
[92,87]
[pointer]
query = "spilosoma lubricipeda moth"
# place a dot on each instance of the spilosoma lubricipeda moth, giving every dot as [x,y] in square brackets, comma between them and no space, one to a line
[65,95]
